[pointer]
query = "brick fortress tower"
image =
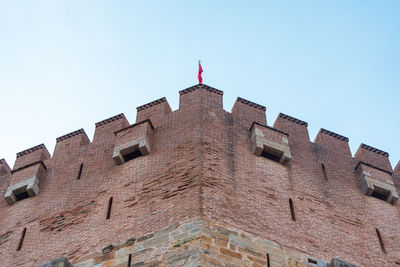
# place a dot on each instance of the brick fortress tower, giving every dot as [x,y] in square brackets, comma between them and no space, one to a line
[200,186]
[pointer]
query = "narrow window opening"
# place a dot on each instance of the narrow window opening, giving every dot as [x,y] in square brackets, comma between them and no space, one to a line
[21,240]
[80,172]
[380,240]
[292,210]
[22,196]
[109,208]
[129,260]
[132,155]
[312,261]
[324,171]
[268,261]
[272,154]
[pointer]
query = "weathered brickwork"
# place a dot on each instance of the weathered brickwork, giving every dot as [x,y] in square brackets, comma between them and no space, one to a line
[200,186]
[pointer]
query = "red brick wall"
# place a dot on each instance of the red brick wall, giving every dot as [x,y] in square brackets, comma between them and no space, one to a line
[201,165]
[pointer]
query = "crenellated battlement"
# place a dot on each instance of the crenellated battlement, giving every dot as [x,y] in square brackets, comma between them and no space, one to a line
[104,132]
[251,104]
[200,161]
[334,135]
[30,155]
[292,119]
[151,104]
[375,150]
[246,112]
[200,96]
[374,157]
[201,86]
[111,119]
[30,150]
[156,111]
[333,142]
[72,134]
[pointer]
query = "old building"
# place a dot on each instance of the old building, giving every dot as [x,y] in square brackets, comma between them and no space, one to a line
[200,186]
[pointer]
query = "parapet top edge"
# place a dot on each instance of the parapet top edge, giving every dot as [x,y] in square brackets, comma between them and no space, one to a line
[69,135]
[111,119]
[152,103]
[375,150]
[136,124]
[201,86]
[334,135]
[372,166]
[268,127]
[30,150]
[292,119]
[251,104]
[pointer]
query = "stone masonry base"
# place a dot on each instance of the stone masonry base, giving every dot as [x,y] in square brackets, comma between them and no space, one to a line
[199,242]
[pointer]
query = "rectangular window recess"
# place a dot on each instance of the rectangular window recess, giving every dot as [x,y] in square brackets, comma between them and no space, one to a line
[132,155]
[312,261]
[22,196]
[268,261]
[378,189]
[380,193]
[274,155]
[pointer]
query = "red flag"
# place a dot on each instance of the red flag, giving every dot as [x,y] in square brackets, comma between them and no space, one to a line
[200,72]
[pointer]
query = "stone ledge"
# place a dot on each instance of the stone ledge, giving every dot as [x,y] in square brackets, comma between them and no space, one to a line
[335,262]
[30,186]
[142,144]
[59,262]
[369,186]
[268,140]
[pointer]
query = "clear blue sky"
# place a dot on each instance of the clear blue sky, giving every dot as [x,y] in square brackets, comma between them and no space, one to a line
[65,65]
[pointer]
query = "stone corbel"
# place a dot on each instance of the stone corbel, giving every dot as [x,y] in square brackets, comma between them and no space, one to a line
[142,144]
[30,186]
